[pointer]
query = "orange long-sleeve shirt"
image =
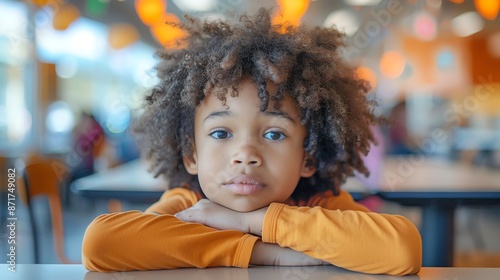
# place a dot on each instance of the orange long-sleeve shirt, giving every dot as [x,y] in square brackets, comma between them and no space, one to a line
[332,228]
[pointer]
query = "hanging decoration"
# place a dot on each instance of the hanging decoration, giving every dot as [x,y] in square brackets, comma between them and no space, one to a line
[166,33]
[392,64]
[150,11]
[488,8]
[291,11]
[65,16]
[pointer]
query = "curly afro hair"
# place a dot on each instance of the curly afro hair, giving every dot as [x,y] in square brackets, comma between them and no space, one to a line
[304,62]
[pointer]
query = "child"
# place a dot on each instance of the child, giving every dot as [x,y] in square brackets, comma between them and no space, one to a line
[255,127]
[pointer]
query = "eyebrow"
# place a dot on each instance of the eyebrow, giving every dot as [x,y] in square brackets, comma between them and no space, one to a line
[278,114]
[218,114]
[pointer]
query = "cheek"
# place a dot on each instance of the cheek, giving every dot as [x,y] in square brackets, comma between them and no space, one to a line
[212,168]
[209,182]
[285,166]
[211,190]
[212,159]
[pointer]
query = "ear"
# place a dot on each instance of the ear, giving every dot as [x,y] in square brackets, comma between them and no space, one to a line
[308,169]
[191,163]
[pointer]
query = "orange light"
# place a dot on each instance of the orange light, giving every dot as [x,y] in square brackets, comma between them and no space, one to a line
[40,3]
[150,11]
[122,35]
[166,34]
[488,8]
[392,64]
[367,74]
[65,16]
[457,1]
[291,11]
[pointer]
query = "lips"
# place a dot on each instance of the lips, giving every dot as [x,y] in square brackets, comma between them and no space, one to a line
[244,184]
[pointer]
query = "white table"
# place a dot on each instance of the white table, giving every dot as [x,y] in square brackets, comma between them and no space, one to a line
[128,182]
[132,182]
[437,186]
[74,272]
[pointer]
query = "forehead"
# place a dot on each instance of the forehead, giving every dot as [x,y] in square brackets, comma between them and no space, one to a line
[247,99]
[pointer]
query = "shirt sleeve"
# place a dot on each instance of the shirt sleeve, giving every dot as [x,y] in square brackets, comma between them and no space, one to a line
[174,201]
[137,240]
[345,234]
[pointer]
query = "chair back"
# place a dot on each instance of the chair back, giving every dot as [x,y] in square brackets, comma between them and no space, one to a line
[43,177]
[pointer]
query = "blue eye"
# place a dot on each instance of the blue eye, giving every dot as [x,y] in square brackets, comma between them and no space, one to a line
[274,135]
[220,134]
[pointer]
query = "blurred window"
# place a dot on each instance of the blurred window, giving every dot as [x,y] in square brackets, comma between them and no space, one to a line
[15,79]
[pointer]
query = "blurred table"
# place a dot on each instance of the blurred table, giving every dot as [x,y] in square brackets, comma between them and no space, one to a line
[127,182]
[78,272]
[133,183]
[468,138]
[438,187]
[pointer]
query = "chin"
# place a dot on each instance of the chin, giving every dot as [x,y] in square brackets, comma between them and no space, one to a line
[243,208]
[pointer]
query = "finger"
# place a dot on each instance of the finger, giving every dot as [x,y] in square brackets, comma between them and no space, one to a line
[187,216]
[182,216]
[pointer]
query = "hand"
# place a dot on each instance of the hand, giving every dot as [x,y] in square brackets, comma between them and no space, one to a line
[214,215]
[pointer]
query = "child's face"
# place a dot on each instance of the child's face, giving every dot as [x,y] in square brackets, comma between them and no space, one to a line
[245,159]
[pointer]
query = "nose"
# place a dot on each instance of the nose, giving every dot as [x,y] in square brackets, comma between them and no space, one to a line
[247,155]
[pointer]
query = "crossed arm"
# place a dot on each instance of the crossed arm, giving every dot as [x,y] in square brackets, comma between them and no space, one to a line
[216,216]
[351,238]
[203,234]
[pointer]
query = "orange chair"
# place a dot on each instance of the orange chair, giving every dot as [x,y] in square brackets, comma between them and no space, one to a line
[43,177]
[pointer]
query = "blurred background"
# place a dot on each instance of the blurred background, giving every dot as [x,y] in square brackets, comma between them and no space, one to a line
[73,75]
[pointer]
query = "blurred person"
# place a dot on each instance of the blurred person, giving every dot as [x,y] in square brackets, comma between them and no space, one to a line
[88,144]
[398,137]
[126,147]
